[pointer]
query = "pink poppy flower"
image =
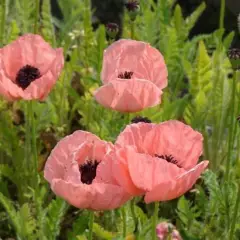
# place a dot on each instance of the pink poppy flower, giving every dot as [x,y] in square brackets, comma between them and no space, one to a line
[158,160]
[79,170]
[167,231]
[133,74]
[29,68]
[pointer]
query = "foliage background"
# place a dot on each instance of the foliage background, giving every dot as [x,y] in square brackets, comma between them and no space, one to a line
[203,91]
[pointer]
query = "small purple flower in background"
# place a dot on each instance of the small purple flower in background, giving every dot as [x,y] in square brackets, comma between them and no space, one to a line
[167,231]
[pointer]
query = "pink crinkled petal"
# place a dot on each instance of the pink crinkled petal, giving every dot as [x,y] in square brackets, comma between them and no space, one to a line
[130,95]
[122,175]
[60,156]
[78,195]
[174,188]
[138,57]
[108,196]
[28,49]
[134,135]
[41,87]
[98,196]
[177,139]
[11,91]
[147,172]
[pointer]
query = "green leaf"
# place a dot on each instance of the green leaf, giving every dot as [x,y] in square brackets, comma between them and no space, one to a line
[7,172]
[178,18]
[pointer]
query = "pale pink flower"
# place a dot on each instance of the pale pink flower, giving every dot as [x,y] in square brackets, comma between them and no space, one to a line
[79,170]
[165,230]
[29,68]
[158,160]
[133,74]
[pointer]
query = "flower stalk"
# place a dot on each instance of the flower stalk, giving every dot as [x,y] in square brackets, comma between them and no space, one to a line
[37,12]
[222,14]
[154,220]
[3,20]
[235,214]
[124,220]
[90,225]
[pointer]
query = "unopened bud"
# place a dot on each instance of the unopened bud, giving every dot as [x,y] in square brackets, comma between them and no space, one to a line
[133,8]
[167,231]
[112,30]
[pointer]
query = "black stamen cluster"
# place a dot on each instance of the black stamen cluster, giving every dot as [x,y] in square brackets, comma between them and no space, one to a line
[138,119]
[26,75]
[125,75]
[168,158]
[88,171]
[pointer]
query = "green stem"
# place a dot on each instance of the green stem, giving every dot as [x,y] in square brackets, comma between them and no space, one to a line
[235,214]
[231,128]
[3,20]
[124,219]
[34,141]
[37,12]
[222,14]
[132,204]
[154,220]
[132,29]
[33,161]
[90,225]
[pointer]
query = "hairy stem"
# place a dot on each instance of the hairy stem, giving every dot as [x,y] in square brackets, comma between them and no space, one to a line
[132,23]
[154,220]
[3,20]
[90,225]
[235,214]
[132,203]
[222,14]
[37,13]
[231,128]
[124,222]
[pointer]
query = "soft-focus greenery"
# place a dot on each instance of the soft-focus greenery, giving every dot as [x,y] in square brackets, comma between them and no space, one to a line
[203,91]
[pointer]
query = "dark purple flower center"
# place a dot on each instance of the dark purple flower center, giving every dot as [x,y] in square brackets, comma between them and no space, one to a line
[234,53]
[132,5]
[138,119]
[88,171]
[113,27]
[168,158]
[125,75]
[26,75]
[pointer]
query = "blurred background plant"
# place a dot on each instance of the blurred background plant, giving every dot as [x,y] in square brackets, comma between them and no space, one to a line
[203,91]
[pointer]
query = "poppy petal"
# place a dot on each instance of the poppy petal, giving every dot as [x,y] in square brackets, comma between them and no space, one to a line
[78,195]
[176,139]
[128,95]
[28,49]
[174,188]
[134,135]
[122,175]
[60,156]
[138,57]
[147,172]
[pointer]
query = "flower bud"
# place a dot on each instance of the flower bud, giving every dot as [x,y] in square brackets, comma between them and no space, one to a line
[133,8]
[165,230]
[112,30]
